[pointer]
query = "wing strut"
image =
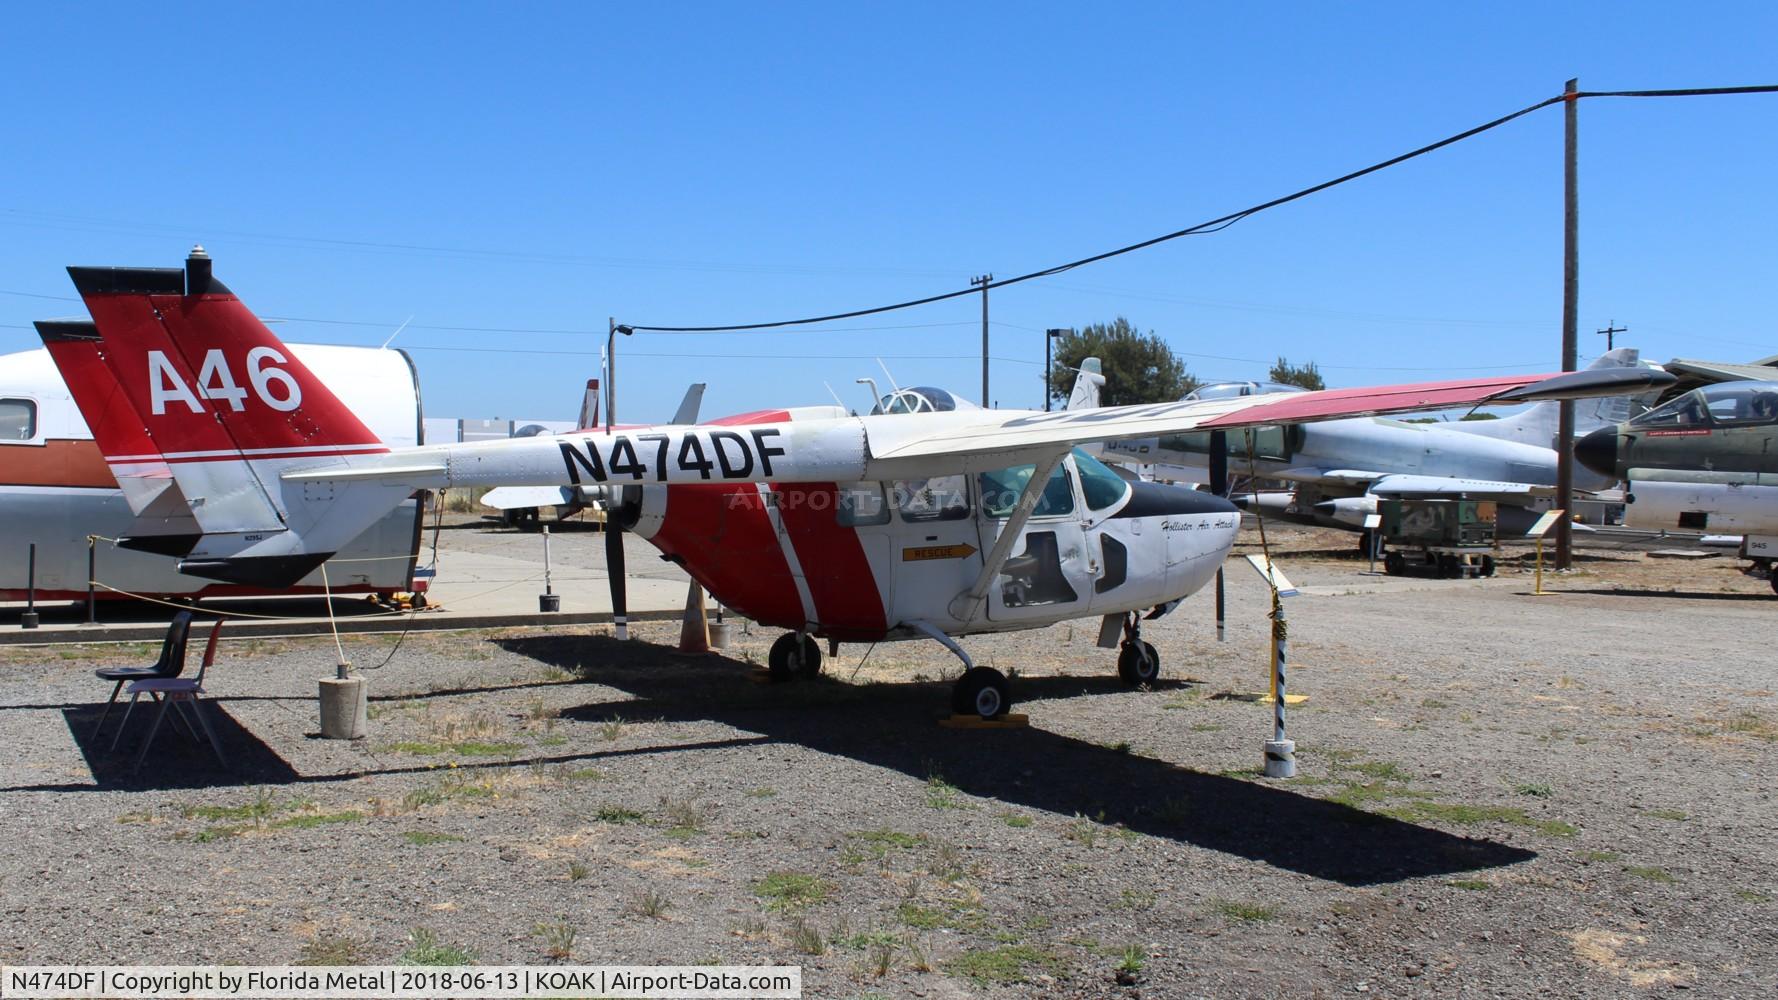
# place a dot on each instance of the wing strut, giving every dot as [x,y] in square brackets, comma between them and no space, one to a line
[969,603]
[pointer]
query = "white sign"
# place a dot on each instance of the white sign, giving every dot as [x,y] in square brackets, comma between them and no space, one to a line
[1545,523]
[1274,576]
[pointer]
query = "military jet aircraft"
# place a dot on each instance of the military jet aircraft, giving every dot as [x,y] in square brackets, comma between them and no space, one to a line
[1705,461]
[1340,468]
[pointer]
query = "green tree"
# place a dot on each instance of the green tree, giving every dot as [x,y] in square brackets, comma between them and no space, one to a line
[1307,376]
[1138,367]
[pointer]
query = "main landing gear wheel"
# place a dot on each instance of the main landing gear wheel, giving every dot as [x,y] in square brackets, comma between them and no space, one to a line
[981,691]
[1774,581]
[795,655]
[1395,564]
[1138,663]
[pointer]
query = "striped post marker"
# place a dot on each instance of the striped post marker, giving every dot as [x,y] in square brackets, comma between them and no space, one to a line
[1280,752]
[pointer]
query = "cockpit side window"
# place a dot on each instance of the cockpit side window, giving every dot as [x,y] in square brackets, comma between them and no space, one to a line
[18,420]
[1732,405]
[942,498]
[1002,488]
[1686,411]
[1101,486]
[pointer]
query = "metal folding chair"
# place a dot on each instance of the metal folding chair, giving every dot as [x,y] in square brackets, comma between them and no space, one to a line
[175,693]
[170,664]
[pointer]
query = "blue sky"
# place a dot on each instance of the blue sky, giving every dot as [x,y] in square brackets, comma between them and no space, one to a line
[542,167]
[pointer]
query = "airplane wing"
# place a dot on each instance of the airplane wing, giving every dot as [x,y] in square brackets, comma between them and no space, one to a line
[1023,434]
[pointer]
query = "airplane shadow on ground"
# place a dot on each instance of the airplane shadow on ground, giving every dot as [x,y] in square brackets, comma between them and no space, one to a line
[894,726]
[891,726]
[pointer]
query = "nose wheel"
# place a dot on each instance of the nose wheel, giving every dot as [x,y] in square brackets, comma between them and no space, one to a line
[1138,662]
[796,655]
[981,691]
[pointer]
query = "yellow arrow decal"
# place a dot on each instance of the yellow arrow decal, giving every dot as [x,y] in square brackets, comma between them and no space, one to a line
[961,551]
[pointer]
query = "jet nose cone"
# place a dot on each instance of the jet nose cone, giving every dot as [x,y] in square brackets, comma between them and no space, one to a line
[1598,452]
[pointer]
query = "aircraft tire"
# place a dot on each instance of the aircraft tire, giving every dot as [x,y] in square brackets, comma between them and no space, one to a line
[786,663]
[1773,579]
[1138,663]
[1487,565]
[1395,564]
[981,691]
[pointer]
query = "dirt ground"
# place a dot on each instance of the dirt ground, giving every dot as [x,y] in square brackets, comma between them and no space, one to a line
[1498,795]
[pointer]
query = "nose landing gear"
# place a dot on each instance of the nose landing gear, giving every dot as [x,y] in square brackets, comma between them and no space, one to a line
[1138,662]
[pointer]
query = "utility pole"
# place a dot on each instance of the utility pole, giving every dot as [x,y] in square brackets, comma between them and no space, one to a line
[1570,321]
[984,281]
[1049,336]
[1611,328]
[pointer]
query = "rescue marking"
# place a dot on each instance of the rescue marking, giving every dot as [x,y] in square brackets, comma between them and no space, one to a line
[960,551]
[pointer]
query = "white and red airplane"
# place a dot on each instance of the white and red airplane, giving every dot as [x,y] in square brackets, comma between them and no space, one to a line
[947,522]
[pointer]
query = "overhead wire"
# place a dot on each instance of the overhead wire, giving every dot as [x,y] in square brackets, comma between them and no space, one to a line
[1217,224]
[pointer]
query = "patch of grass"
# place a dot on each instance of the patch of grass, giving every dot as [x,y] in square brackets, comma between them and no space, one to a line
[1651,873]
[557,939]
[806,938]
[617,814]
[211,834]
[1751,724]
[878,843]
[1538,791]
[1014,963]
[611,729]
[1130,960]
[1750,896]
[553,740]
[1235,909]
[1472,884]
[308,821]
[922,917]
[577,871]
[763,792]
[1120,746]
[1678,816]
[1381,770]
[787,891]
[1136,899]
[1207,727]
[941,794]
[684,818]
[653,904]
[1467,815]
[584,774]
[424,948]
[332,948]
[947,863]
[427,838]
[262,806]
[1017,821]
[882,958]
[462,748]
[1598,856]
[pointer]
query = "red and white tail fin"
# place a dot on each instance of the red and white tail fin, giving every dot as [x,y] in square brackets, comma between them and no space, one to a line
[230,408]
[163,519]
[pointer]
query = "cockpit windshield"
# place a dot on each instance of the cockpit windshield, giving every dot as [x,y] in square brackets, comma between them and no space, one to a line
[1230,390]
[921,399]
[1726,405]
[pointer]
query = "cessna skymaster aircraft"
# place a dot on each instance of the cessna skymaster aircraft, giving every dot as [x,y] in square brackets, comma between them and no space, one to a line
[858,529]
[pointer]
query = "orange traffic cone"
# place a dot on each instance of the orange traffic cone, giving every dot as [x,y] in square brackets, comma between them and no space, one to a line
[694,630]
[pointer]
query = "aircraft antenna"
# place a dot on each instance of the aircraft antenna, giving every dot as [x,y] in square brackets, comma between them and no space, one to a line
[397,333]
[891,378]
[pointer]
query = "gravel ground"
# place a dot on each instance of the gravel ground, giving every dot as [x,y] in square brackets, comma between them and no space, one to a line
[1499,795]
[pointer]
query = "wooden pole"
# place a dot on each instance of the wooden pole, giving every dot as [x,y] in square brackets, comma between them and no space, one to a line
[1570,321]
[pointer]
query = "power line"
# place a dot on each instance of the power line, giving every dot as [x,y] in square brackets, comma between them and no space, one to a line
[1218,224]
